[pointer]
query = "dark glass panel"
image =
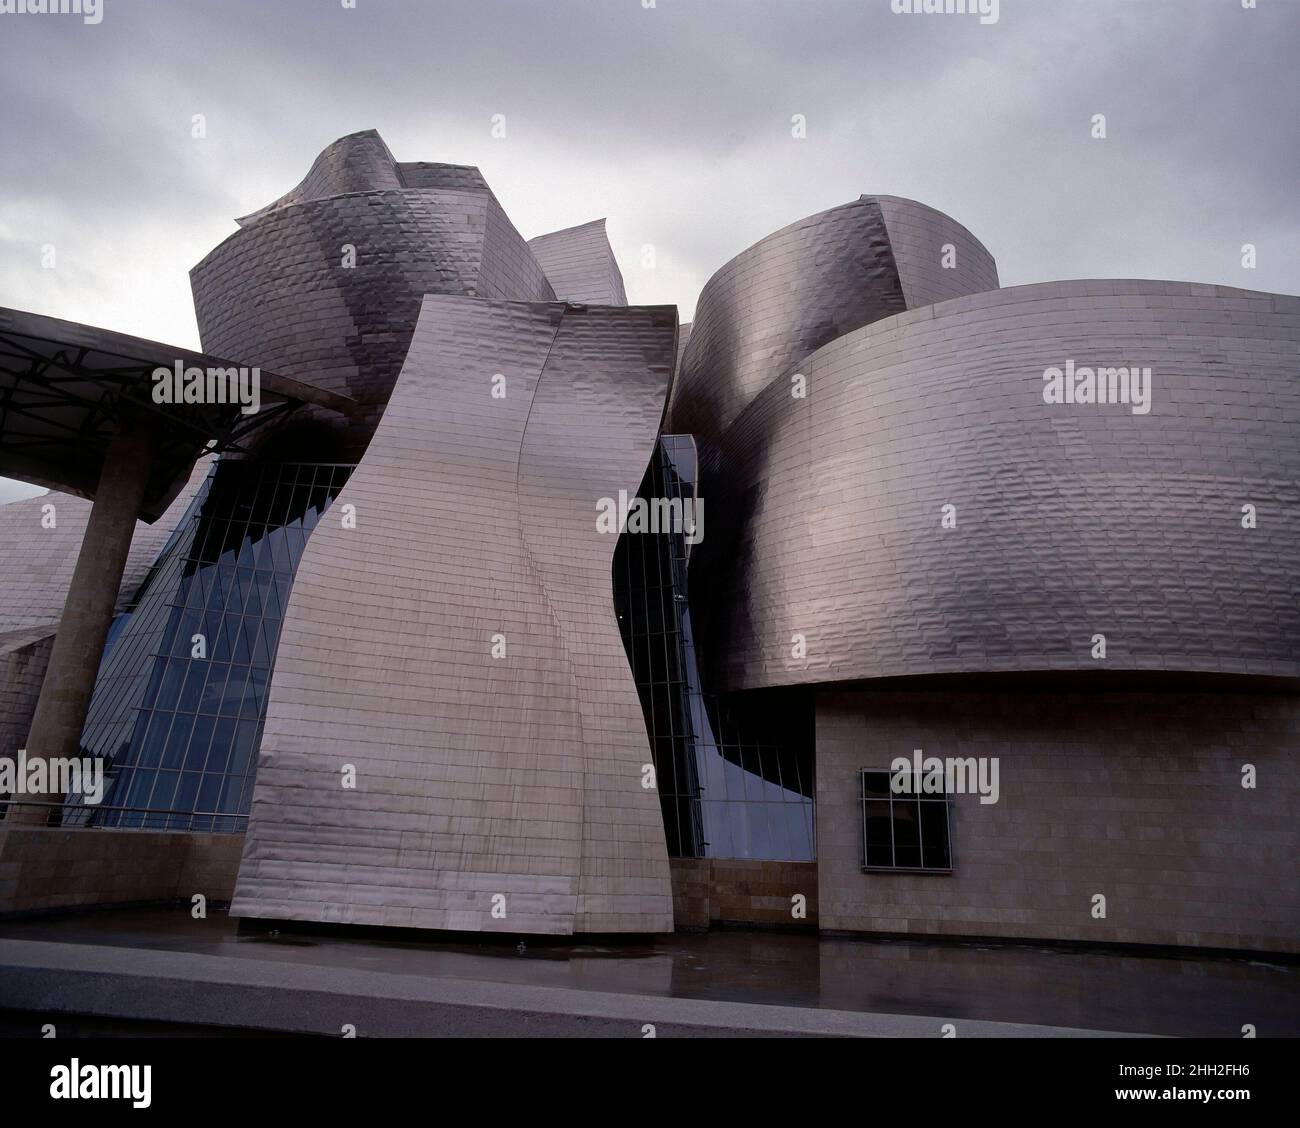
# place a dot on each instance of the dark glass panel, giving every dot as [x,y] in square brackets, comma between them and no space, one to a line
[192,690]
[205,582]
[876,784]
[934,835]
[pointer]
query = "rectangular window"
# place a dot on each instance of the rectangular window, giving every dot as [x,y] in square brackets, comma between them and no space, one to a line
[904,829]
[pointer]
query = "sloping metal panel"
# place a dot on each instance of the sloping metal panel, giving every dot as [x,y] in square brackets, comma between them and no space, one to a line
[580,264]
[477,776]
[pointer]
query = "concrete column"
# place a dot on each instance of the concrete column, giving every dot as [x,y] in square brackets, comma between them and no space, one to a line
[88,610]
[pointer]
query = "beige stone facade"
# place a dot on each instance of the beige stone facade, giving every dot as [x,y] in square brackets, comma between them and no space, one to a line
[1136,796]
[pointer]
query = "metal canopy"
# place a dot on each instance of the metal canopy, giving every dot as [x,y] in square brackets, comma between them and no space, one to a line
[64,385]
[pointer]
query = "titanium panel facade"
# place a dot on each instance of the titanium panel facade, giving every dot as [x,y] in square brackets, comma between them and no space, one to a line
[285,289]
[922,240]
[36,562]
[358,162]
[802,287]
[1072,519]
[580,264]
[517,775]
[24,655]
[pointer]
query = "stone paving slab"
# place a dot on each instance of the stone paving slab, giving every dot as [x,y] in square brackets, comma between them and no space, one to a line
[223,991]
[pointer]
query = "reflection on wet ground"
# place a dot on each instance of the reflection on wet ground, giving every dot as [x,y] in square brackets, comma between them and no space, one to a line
[1097,990]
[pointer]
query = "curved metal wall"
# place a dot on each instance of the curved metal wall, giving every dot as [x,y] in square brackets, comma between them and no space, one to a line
[580,264]
[1072,519]
[36,562]
[359,162]
[805,285]
[922,241]
[517,775]
[278,293]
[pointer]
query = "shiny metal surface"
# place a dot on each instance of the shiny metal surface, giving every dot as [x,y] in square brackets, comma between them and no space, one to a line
[805,285]
[36,560]
[516,776]
[1072,520]
[327,281]
[580,264]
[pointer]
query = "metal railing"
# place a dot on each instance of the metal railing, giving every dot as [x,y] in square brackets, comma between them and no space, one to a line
[85,816]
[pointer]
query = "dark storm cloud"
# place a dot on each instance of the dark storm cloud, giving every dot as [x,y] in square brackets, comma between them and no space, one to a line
[673,121]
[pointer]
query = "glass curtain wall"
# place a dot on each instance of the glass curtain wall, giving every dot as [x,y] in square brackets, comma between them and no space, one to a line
[734,773]
[180,698]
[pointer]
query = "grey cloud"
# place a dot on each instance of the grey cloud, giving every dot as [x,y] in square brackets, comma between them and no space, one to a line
[673,122]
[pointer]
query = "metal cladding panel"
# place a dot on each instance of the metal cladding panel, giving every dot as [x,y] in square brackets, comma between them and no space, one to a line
[36,562]
[1072,520]
[936,257]
[804,286]
[430,174]
[775,303]
[279,294]
[580,264]
[359,162]
[476,775]
[683,339]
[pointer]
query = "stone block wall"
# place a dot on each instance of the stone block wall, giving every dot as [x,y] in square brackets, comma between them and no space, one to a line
[1137,796]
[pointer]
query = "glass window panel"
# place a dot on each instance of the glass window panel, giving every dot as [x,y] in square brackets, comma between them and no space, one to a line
[244,749]
[215,687]
[934,836]
[240,651]
[200,737]
[172,681]
[878,855]
[163,790]
[798,829]
[187,789]
[777,840]
[753,778]
[151,747]
[223,739]
[875,784]
[178,740]
[192,692]
[230,793]
[255,693]
[185,624]
[261,654]
[717,830]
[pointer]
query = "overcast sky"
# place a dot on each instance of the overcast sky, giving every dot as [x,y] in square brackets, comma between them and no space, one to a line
[674,122]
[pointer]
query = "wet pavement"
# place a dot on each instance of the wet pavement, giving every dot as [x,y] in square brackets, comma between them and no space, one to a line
[1086,989]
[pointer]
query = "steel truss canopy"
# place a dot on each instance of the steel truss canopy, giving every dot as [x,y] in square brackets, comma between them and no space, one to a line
[63,387]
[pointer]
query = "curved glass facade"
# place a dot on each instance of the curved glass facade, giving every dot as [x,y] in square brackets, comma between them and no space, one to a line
[735,778]
[180,698]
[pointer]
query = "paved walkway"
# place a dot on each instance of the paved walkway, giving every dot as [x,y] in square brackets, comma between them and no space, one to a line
[220,990]
[161,965]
